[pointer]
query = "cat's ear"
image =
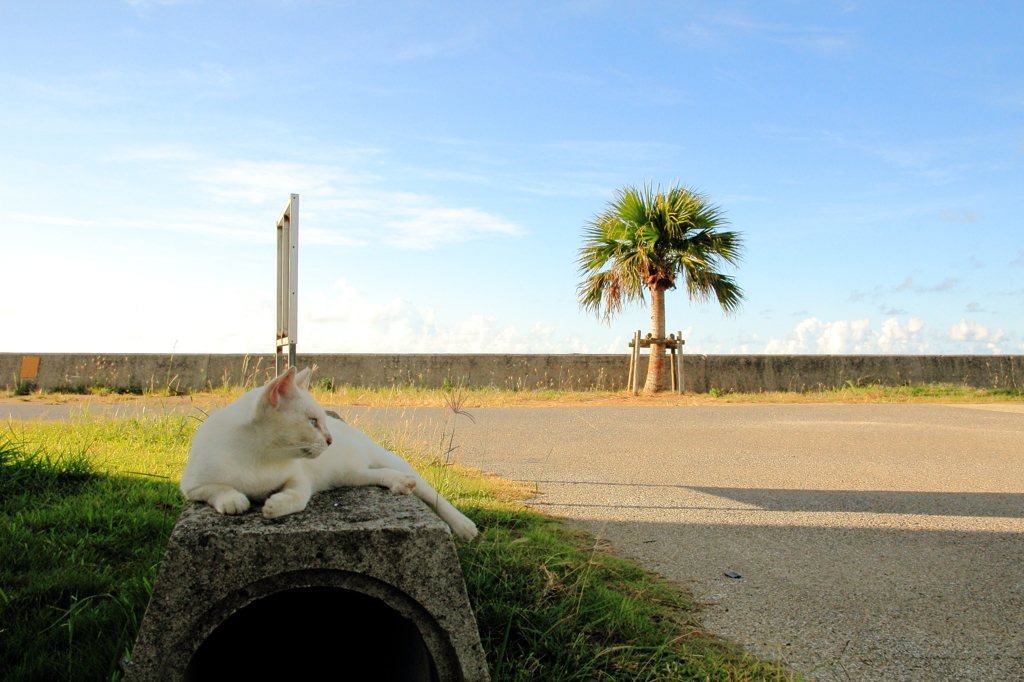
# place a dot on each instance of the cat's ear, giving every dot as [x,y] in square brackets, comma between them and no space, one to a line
[302,379]
[279,388]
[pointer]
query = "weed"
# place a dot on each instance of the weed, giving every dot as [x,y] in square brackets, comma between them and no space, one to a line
[21,387]
[324,385]
[330,393]
[1008,392]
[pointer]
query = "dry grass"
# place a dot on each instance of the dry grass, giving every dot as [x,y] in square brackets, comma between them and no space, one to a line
[406,396]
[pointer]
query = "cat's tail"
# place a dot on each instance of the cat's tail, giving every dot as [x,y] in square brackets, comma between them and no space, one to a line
[463,528]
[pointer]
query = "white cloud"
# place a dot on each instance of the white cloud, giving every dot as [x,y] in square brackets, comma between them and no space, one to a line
[727,24]
[970,333]
[346,322]
[210,223]
[844,337]
[896,338]
[317,235]
[945,285]
[609,149]
[160,152]
[948,216]
[891,337]
[268,182]
[160,315]
[347,210]
[453,46]
[423,227]
[814,336]
[852,336]
[995,341]
[965,330]
[139,314]
[906,285]
[338,207]
[146,3]
[10,218]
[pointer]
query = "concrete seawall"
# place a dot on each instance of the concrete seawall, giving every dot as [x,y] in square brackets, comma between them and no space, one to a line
[749,373]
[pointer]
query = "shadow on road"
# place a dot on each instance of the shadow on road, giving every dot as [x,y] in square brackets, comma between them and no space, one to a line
[994,505]
[848,604]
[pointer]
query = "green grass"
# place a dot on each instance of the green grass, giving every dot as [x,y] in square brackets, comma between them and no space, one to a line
[488,396]
[852,392]
[80,550]
[552,606]
[85,517]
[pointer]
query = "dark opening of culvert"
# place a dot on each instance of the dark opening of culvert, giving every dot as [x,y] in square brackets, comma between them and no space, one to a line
[324,633]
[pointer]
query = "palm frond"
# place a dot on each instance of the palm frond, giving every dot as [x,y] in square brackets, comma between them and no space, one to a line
[702,285]
[649,236]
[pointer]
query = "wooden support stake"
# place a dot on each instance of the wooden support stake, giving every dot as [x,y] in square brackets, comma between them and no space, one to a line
[679,364]
[632,357]
[636,362]
[672,368]
[674,344]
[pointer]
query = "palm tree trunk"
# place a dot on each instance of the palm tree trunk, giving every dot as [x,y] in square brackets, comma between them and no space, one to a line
[656,367]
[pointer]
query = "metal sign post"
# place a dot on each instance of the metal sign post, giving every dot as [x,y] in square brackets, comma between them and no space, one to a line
[287,282]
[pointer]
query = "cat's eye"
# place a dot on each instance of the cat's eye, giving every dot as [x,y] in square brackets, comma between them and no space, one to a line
[313,423]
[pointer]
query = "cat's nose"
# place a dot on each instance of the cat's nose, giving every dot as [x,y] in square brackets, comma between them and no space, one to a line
[329,439]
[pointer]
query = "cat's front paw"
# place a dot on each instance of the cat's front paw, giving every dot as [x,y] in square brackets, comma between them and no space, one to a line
[403,484]
[280,504]
[232,502]
[463,528]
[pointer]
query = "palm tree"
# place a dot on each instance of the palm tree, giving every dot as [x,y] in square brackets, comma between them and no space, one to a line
[650,238]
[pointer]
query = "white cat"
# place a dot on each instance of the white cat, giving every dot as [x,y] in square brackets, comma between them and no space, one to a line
[277,444]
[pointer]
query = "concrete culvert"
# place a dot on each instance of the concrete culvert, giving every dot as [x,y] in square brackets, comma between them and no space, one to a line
[363,584]
[315,633]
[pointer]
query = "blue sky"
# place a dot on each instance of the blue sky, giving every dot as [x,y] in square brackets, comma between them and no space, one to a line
[447,156]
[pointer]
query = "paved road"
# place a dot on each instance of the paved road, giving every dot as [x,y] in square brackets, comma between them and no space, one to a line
[875,542]
[13,410]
